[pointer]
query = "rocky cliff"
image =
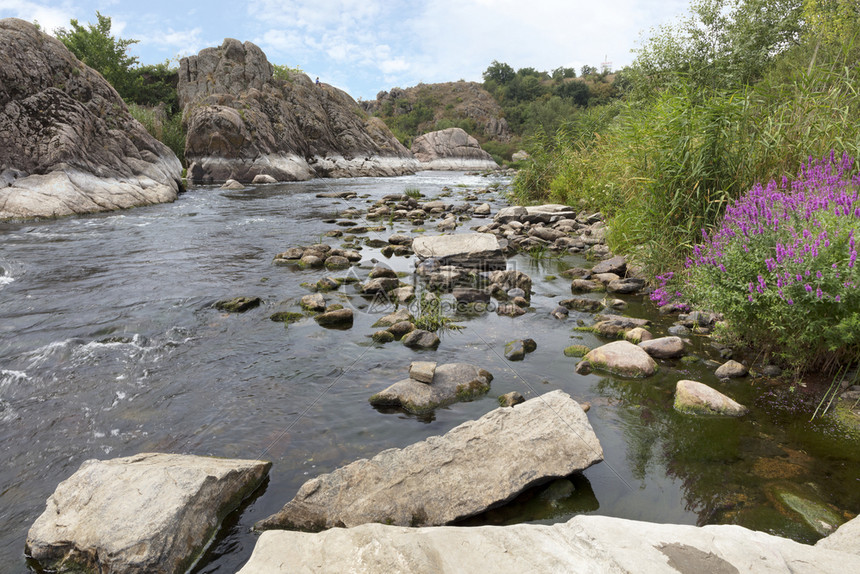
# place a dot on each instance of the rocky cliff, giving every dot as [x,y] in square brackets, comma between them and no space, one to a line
[451,149]
[69,144]
[243,122]
[464,104]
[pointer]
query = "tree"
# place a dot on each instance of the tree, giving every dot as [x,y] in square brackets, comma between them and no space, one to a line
[562,73]
[97,48]
[587,70]
[500,73]
[721,44]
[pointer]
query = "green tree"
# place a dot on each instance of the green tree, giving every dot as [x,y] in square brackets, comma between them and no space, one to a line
[499,73]
[720,44]
[94,45]
[561,73]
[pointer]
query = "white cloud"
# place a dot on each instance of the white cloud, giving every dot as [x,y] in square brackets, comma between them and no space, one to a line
[50,17]
[184,41]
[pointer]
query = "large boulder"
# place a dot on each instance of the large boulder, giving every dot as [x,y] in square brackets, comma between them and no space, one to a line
[477,465]
[621,358]
[451,149]
[693,397]
[243,122]
[585,543]
[449,383]
[69,143]
[145,513]
[473,250]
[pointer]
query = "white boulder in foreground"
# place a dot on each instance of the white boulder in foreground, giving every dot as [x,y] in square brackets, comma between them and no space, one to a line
[584,544]
[462,249]
[473,467]
[150,513]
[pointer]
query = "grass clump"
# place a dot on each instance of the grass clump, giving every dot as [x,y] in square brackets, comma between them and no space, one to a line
[431,315]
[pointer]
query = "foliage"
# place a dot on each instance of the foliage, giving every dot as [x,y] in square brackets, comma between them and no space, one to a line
[720,44]
[150,90]
[284,72]
[782,265]
[668,163]
[431,315]
[94,45]
[166,128]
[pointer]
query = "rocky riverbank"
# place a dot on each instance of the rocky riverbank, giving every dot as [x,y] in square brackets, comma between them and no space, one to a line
[489,459]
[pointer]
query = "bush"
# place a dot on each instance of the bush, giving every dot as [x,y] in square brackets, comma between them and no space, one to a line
[782,266]
[165,128]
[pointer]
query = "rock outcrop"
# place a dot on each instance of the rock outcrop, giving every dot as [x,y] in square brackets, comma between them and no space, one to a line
[451,149]
[69,143]
[145,513]
[585,543]
[243,122]
[473,467]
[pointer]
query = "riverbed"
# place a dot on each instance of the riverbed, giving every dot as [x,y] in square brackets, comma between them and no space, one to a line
[110,346]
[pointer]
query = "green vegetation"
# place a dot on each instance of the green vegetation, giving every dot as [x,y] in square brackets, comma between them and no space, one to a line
[772,83]
[431,315]
[149,91]
[737,93]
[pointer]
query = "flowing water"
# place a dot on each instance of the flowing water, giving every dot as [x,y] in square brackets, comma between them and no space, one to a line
[110,346]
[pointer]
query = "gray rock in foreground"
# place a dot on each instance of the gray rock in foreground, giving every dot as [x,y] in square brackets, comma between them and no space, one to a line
[146,513]
[475,466]
[584,544]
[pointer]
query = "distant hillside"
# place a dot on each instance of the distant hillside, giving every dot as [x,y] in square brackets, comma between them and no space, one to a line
[424,108]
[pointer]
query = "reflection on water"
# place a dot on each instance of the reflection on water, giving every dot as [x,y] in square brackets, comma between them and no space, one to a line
[109,346]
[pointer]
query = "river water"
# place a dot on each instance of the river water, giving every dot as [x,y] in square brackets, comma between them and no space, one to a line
[110,346]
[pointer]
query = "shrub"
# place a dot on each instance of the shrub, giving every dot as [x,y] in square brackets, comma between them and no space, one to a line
[782,266]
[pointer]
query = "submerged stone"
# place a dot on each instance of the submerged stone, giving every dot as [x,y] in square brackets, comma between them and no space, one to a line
[238,304]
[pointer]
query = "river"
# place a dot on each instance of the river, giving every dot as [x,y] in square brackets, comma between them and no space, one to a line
[110,346]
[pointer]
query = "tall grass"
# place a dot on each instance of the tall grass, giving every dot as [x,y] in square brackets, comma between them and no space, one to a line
[165,128]
[664,169]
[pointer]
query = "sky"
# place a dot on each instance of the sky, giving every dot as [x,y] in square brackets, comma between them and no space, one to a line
[365,46]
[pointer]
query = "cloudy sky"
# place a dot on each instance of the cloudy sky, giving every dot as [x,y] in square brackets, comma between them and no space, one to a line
[364,46]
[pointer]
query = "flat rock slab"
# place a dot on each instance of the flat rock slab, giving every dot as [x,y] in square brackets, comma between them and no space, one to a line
[585,543]
[477,465]
[621,358]
[451,382]
[474,250]
[693,397]
[147,513]
[535,213]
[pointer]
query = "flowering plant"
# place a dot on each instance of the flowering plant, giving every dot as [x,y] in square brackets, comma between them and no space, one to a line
[782,265]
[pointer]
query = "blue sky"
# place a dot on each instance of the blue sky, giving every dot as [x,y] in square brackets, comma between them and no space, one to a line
[364,46]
